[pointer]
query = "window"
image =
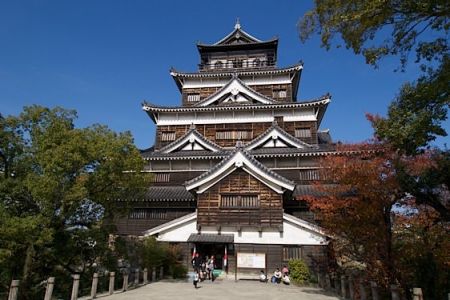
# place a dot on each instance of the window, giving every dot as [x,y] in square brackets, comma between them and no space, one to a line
[161,177]
[279,94]
[311,174]
[303,132]
[292,253]
[218,65]
[239,201]
[193,97]
[234,135]
[167,136]
[257,62]
[145,213]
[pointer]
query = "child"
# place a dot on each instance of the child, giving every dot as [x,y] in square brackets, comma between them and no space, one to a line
[196,278]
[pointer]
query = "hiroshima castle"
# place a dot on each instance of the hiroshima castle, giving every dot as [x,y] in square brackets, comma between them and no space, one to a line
[232,163]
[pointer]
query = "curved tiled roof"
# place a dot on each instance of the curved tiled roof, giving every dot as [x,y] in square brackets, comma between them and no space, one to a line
[324,100]
[240,72]
[320,150]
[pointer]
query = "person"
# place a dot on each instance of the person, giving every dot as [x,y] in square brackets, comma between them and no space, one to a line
[196,278]
[276,278]
[210,268]
[196,262]
[286,280]
[262,276]
[285,270]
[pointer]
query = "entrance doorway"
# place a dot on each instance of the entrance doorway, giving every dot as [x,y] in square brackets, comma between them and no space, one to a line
[209,249]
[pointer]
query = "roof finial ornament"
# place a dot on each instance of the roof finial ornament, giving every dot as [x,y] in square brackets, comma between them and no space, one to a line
[238,24]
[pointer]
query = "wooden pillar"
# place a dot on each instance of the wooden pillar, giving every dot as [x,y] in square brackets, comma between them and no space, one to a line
[75,286]
[161,273]
[125,282]
[374,290]
[153,274]
[49,288]
[145,276]
[362,291]
[136,277]
[94,286]
[395,292]
[417,294]
[111,282]
[343,293]
[14,290]
[351,290]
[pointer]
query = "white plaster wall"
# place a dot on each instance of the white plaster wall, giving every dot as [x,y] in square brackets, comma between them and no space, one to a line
[292,235]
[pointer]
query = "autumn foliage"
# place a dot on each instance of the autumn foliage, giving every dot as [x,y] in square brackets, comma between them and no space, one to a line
[376,224]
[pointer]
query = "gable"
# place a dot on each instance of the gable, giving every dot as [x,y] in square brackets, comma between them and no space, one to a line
[276,137]
[240,160]
[191,141]
[235,92]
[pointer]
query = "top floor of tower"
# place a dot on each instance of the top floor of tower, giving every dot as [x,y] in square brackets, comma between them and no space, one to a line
[238,50]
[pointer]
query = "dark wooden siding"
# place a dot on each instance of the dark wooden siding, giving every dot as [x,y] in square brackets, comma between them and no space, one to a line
[240,182]
[209,131]
[268,90]
[127,226]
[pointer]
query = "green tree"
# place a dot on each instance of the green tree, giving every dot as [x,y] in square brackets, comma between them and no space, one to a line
[379,28]
[59,187]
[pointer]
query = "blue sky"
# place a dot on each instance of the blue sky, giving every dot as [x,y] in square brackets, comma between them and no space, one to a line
[103,58]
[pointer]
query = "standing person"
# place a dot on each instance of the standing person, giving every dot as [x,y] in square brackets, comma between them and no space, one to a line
[196,278]
[211,268]
[196,262]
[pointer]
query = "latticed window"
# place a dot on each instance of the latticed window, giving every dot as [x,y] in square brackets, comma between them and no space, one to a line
[234,135]
[239,201]
[167,136]
[310,174]
[292,253]
[303,132]
[145,213]
[161,177]
[194,97]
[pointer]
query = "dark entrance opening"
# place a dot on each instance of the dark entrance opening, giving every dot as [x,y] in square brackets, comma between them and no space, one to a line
[208,249]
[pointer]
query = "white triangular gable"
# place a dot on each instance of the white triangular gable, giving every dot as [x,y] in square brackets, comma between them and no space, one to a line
[240,160]
[191,141]
[295,232]
[235,91]
[276,137]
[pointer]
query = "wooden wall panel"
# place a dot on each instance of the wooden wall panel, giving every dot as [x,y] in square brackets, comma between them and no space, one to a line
[126,226]
[209,131]
[269,214]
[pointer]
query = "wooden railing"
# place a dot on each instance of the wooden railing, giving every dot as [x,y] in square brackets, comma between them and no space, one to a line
[136,276]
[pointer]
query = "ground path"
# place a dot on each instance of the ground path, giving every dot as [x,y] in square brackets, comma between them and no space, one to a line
[221,290]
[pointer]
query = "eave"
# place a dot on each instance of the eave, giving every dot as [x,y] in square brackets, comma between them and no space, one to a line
[295,70]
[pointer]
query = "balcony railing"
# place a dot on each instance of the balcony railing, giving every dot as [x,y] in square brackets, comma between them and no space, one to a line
[236,65]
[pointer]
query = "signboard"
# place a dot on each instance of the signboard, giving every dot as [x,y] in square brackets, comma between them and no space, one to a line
[251,260]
